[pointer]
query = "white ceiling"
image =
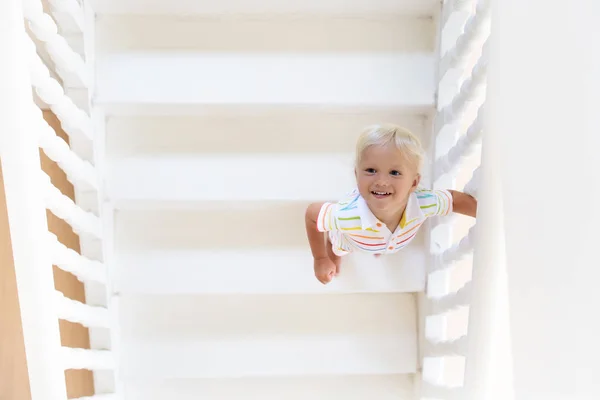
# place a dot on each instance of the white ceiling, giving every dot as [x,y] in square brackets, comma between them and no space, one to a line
[412,7]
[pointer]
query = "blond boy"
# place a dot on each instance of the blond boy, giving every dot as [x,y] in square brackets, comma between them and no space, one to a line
[383,214]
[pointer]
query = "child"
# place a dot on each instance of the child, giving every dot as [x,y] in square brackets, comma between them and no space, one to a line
[386,210]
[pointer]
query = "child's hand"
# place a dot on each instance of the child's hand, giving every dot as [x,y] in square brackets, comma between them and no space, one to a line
[326,269]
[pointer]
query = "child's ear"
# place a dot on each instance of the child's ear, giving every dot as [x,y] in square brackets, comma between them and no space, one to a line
[415,183]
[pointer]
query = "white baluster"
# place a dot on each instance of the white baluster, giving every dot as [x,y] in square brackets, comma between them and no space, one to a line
[471,188]
[452,6]
[69,260]
[74,121]
[87,359]
[459,251]
[77,170]
[69,65]
[80,313]
[19,154]
[470,90]
[64,208]
[443,304]
[69,15]
[465,147]
[457,347]
[476,31]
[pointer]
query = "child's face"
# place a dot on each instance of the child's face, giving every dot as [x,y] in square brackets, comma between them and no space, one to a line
[385,178]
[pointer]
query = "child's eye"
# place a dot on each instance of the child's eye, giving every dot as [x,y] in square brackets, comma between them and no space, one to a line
[370,170]
[395,173]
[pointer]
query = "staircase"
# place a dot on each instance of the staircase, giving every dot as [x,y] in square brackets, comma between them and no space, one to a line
[179,144]
[195,135]
[224,120]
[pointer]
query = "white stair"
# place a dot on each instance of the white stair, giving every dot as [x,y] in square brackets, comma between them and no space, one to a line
[269,335]
[225,119]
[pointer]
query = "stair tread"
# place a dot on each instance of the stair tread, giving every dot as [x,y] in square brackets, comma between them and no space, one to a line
[239,177]
[355,387]
[417,7]
[266,271]
[273,356]
[400,80]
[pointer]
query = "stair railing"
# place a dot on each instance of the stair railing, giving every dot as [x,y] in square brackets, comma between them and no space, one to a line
[41,66]
[452,330]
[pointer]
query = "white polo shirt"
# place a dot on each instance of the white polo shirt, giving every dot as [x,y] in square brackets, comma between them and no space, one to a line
[352,225]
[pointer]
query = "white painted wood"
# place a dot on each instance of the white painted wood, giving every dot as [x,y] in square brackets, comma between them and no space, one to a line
[459,251]
[69,15]
[267,271]
[237,336]
[465,146]
[447,348]
[420,7]
[68,64]
[73,358]
[442,392]
[256,177]
[74,120]
[475,32]
[387,387]
[242,129]
[271,356]
[472,90]
[461,298]
[19,155]
[64,208]
[80,313]
[79,172]
[235,316]
[257,226]
[400,80]
[551,358]
[231,177]
[69,260]
[311,33]
[101,397]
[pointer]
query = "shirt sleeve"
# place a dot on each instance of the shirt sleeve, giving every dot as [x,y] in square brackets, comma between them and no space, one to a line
[435,202]
[327,219]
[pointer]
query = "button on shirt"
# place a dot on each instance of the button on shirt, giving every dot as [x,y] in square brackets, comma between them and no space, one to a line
[352,226]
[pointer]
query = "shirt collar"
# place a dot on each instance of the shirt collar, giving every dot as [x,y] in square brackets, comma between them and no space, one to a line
[369,220]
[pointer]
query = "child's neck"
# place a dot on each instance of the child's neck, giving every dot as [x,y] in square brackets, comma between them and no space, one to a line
[391,219]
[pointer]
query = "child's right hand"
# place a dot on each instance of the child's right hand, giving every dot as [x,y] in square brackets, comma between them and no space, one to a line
[326,269]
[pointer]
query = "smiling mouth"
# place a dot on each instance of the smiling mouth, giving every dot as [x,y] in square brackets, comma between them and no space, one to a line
[380,195]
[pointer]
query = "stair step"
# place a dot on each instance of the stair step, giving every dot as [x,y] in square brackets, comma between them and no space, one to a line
[400,80]
[224,227]
[255,33]
[232,177]
[186,7]
[265,271]
[191,318]
[245,129]
[224,177]
[271,356]
[381,387]
[243,336]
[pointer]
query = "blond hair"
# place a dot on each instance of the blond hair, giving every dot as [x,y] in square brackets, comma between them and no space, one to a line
[401,138]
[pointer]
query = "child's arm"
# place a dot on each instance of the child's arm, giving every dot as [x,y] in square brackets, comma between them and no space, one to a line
[326,264]
[463,203]
[315,238]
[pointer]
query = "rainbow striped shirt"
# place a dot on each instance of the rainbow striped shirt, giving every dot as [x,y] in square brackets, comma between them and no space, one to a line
[352,226]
